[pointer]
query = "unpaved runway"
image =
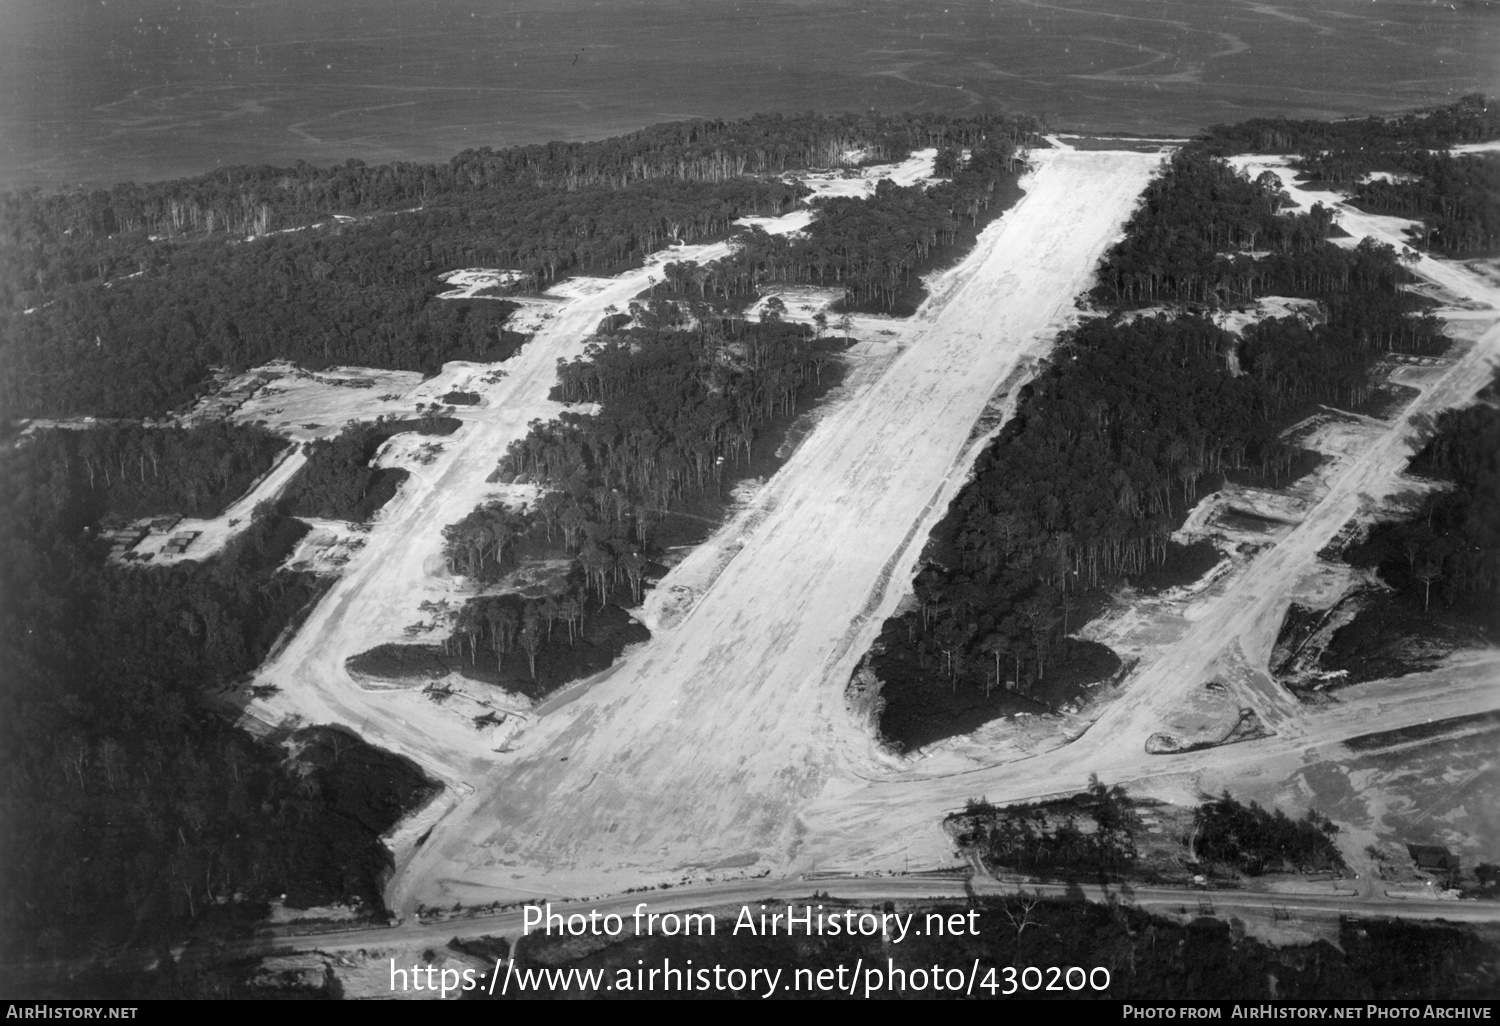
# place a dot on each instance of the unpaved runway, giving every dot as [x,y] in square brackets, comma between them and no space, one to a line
[881,823]
[701,750]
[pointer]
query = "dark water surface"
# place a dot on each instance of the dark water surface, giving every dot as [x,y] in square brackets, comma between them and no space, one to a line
[103,90]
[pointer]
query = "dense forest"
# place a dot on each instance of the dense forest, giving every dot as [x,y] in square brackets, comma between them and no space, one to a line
[1130,422]
[678,411]
[145,346]
[338,482]
[118,302]
[1456,199]
[1252,840]
[136,814]
[1448,550]
[130,471]
[1470,120]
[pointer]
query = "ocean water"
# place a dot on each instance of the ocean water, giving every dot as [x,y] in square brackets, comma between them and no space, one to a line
[97,91]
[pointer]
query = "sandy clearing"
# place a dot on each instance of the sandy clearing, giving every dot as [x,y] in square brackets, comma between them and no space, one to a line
[215,533]
[1493,146]
[861,182]
[534,312]
[470,281]
[802,303]
[707,743]
[1264,308]
[879,824]
[304,405]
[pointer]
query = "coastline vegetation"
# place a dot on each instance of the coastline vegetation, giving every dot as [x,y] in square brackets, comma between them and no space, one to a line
[118,302]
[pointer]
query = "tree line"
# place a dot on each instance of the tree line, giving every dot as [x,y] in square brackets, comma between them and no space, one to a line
[1190,240]
[338,483]
[1447,550]
[131,470]
[678,411]
[95,234]
[1253,840]
[248,200]
[1472,119]
[1455,197]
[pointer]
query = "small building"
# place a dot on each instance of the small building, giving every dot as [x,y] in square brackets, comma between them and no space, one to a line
[178,543]
[1432,858]
[122,540]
